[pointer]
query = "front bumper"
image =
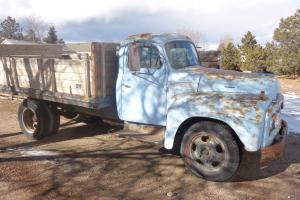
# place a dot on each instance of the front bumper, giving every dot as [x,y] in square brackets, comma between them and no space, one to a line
[275,150]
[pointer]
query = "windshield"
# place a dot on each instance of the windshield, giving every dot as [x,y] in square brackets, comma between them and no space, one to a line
[181,54]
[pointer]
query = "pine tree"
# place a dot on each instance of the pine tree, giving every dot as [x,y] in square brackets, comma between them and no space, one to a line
[287,41]
[10,29]
[252,54]
[51,37]
[230,57]
[225,40]
[61,41]
[248,41]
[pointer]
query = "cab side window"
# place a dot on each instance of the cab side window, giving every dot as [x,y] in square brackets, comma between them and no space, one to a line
[149,57]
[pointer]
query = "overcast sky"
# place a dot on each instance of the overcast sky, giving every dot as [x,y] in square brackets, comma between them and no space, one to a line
[113,20]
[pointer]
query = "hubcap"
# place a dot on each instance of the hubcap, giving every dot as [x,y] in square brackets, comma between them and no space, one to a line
[208,151]
[29,120]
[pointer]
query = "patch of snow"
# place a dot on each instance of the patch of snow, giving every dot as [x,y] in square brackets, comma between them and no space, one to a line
[291,111]
[38,153]
[31,152]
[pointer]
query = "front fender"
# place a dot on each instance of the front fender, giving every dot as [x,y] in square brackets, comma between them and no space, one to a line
[244,113]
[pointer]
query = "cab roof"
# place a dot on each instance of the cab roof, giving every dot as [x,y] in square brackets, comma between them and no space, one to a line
[156,38]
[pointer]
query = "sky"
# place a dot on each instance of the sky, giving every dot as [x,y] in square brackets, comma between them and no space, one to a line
[114,20]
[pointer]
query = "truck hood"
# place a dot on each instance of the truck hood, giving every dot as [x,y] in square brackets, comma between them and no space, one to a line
[207,80]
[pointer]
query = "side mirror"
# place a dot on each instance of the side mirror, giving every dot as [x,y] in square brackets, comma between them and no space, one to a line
[134,57]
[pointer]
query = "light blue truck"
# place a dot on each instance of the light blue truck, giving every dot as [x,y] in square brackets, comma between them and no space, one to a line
[208,115]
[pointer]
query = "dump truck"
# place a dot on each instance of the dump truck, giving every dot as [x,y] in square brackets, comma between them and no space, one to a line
[209,116]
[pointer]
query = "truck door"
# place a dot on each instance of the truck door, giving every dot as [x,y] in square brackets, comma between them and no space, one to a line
[144,85]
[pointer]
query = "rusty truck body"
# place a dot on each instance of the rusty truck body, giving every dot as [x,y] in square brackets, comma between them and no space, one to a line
[207,115]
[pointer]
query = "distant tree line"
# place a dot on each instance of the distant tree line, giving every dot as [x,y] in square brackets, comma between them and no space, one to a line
[280,56]
[33,30]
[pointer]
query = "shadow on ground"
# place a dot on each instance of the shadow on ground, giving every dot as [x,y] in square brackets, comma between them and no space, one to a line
[67,132]
[123,169]
[250,169]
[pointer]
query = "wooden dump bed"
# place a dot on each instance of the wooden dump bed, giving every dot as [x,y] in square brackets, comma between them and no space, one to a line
[76,74]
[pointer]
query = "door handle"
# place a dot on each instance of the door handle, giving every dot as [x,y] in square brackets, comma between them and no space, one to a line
[127,86]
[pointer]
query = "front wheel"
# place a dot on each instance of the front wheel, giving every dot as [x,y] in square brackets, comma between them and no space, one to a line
[210,151]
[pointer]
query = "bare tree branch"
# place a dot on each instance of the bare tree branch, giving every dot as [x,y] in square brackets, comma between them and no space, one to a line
[34,28]
[196,36]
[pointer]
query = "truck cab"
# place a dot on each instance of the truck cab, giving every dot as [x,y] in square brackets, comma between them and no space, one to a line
[210,115]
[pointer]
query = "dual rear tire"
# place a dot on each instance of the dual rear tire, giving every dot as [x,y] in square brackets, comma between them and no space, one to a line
[38,119]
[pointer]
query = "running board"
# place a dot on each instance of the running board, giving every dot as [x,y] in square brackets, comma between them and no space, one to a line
[143,133]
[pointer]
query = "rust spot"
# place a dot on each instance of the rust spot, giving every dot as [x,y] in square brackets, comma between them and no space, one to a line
[262,95]
[235,105]
[142,36]
[270,110]
[276,150]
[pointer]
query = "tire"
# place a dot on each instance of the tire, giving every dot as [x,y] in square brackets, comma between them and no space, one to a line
[54,118]
[33,119]
[210,151]
[88,119]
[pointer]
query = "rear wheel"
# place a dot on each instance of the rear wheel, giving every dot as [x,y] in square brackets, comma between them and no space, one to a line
[210,151]
[54,118]
[33,119]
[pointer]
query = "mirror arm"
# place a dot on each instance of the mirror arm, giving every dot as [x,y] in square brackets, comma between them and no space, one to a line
[138,73]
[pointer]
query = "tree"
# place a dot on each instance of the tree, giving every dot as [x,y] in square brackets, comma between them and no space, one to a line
[287,41]
[227,39]
[248,41]
[230,57]
[52,37]
[252,54]
[34,29]
[197,38]
[271,52]
[10,29]
[61,41]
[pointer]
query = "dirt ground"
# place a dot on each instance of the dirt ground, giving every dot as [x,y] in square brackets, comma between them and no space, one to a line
[92,162]
[289,84]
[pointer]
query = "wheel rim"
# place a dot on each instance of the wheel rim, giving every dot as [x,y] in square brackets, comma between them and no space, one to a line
[208,152]
[29,120]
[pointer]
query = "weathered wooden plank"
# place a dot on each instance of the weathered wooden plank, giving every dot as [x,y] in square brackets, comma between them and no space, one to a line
[27,83]
[88,80]
[41,73]
[53,77]
[12,62]
[44,50]
[111,68]
[94,69]
[71,87]
[102,70]
[3,80]
[80,47]
[25,64]
[79,67]
[7,72]
[71,77]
